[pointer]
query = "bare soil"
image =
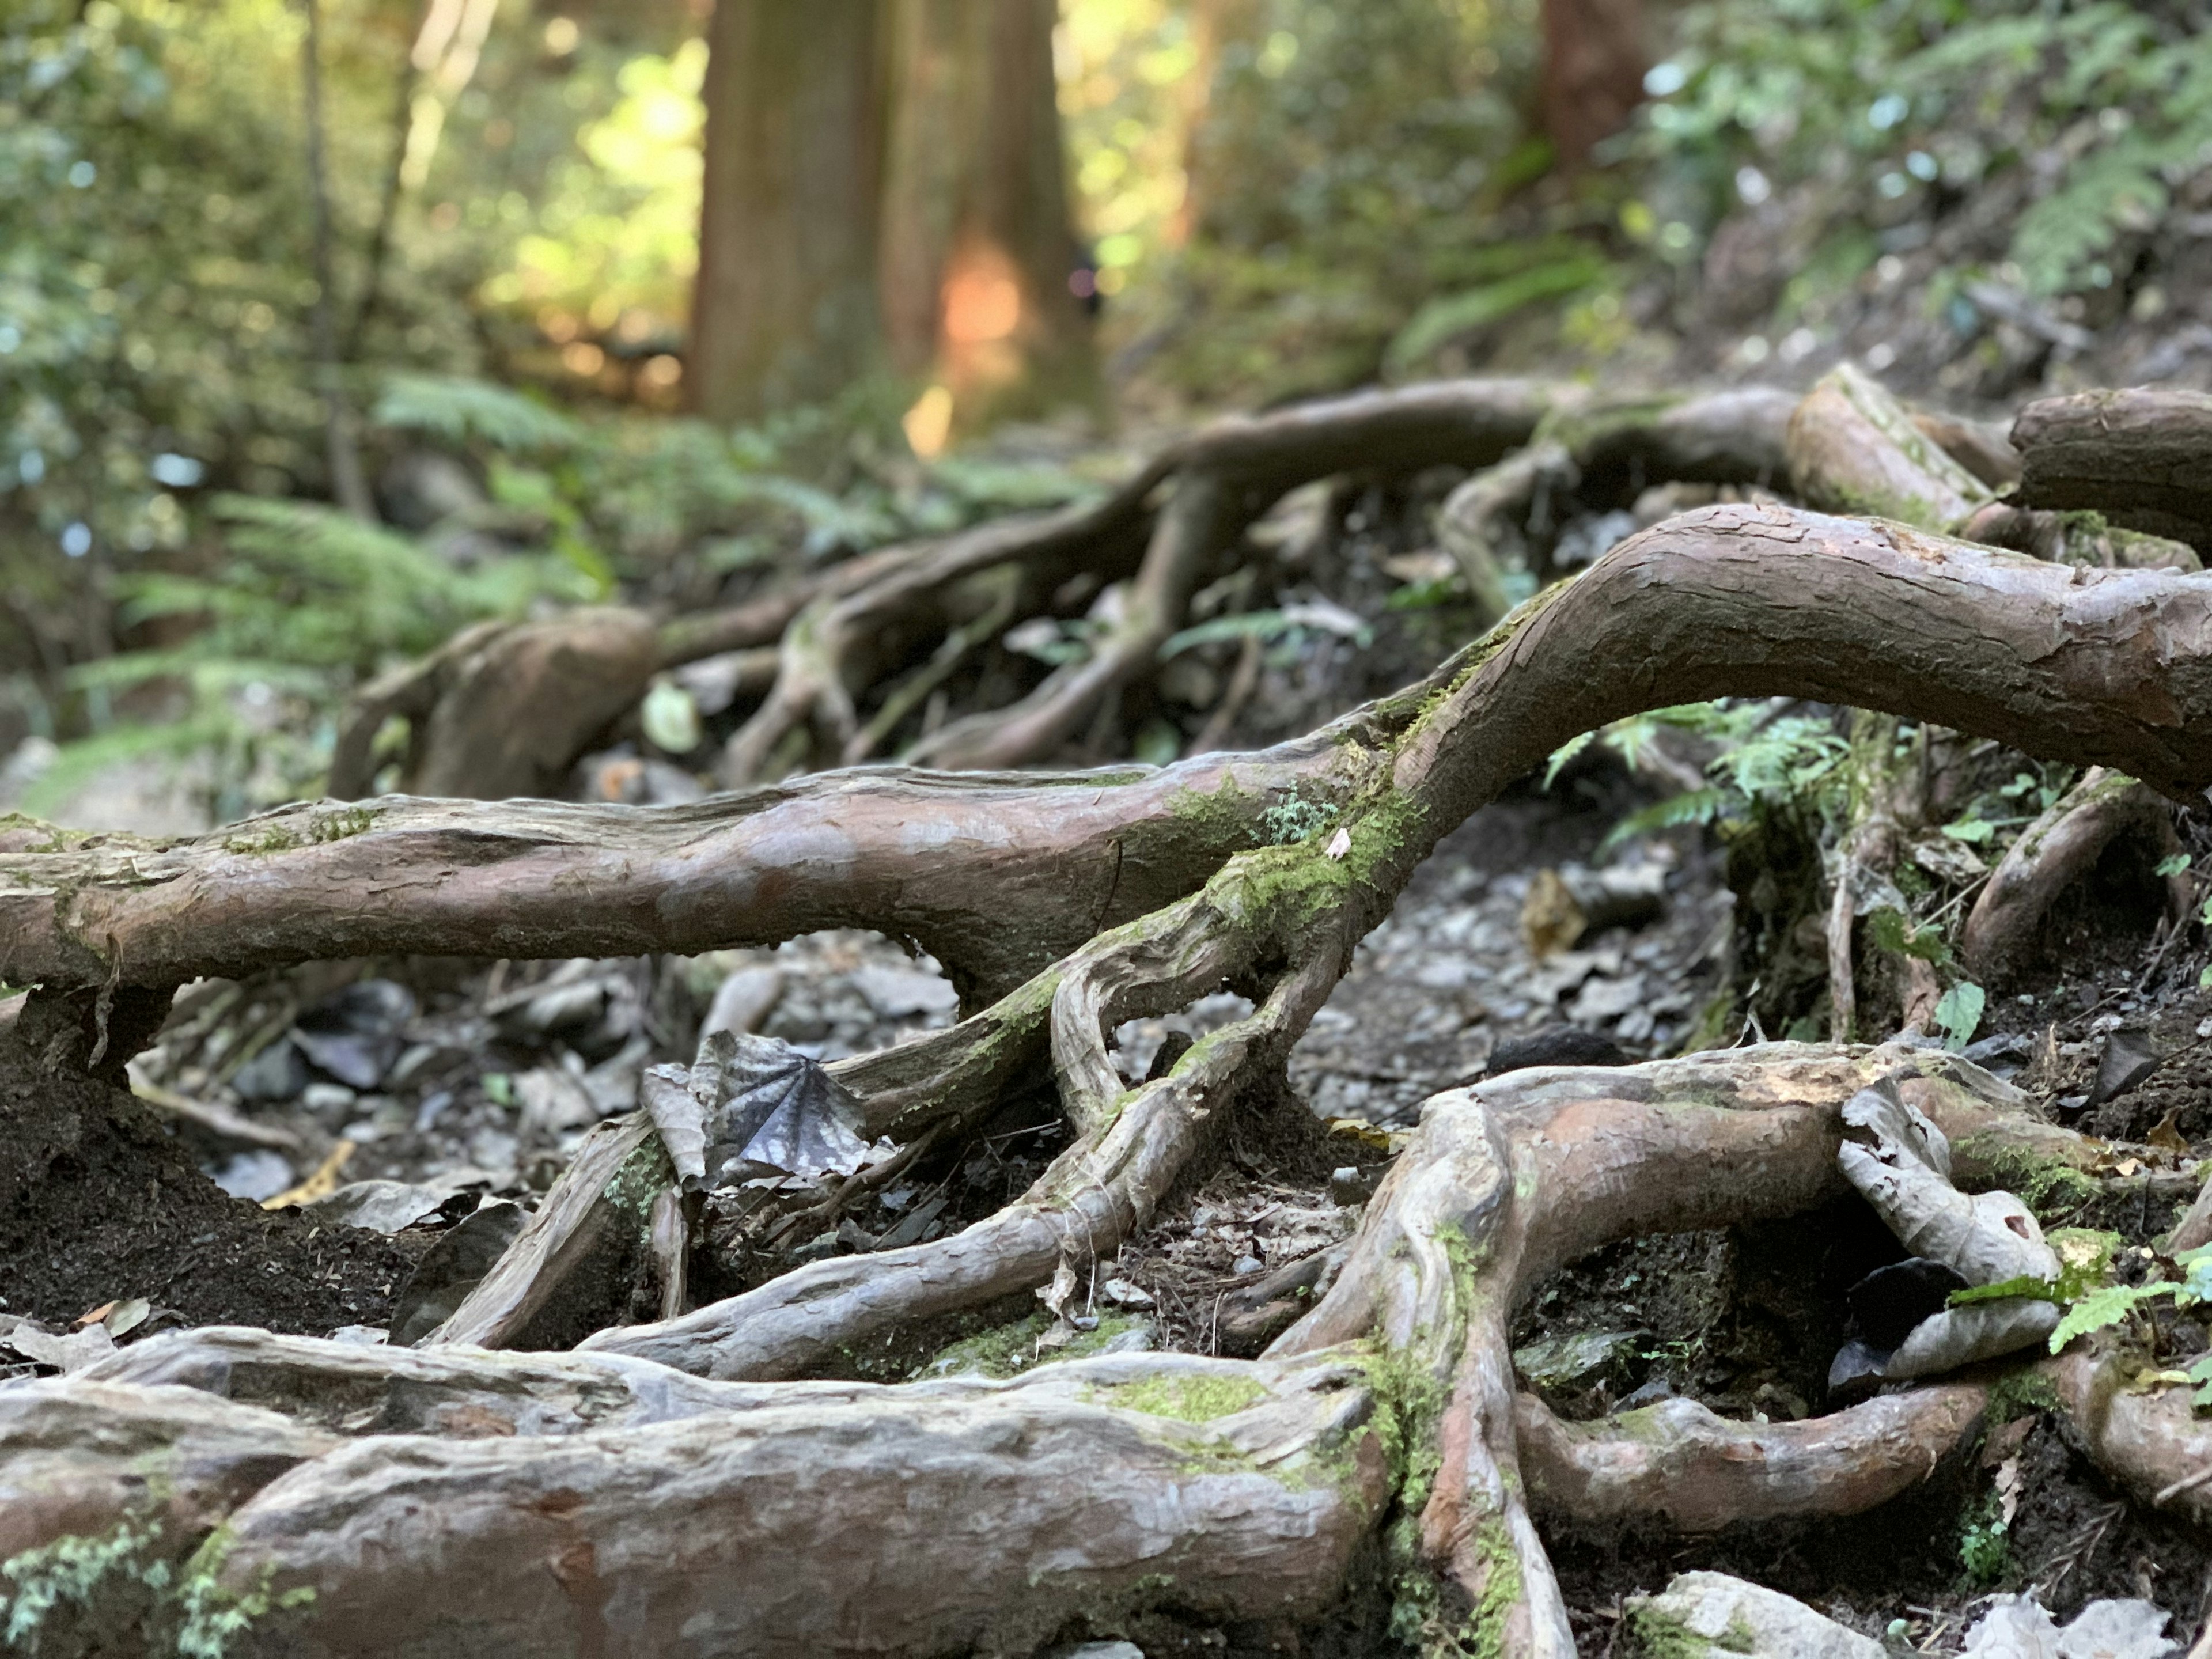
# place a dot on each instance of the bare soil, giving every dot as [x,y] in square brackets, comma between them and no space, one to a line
[99,1201]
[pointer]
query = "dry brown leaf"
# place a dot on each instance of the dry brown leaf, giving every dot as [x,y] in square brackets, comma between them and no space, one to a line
[1551,919]
[321,1184]
[2166,1135]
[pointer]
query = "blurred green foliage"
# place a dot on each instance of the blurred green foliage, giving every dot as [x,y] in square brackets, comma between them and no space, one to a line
[1887,105]
[1337,192]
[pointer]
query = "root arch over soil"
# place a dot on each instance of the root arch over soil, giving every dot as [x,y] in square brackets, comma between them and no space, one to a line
[692,1486]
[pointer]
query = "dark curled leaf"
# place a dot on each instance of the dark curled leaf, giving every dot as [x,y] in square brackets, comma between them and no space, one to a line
[1890,1301]
[752,1106]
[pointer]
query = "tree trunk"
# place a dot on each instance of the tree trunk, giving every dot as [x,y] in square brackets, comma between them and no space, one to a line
[784,310]
[1218,29]
[977,244]
[1594,64]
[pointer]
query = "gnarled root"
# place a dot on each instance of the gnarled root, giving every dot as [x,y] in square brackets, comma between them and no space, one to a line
[1677,1463]
[682,1514]
[1602,455]
[2056,852]
[2136,456]
[501,708]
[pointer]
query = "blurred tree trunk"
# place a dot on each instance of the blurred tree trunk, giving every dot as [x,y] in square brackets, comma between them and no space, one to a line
[1226,33]
[1593,65]
[784,310]
[978,246]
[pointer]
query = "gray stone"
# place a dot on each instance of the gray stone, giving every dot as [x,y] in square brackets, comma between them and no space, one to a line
[1733,1616]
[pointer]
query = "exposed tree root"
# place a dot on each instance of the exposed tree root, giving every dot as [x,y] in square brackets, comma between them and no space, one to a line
[1214,484]
[501,708]
[2109,667]
[1603,455]
[2136,456]
[803,1518]
[1679,1462]
[682,1515]
[2054,852]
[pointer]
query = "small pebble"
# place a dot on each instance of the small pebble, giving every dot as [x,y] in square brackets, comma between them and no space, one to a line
[327,1097]
[1248,1265]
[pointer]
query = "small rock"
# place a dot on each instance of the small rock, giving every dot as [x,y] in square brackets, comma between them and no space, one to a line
[1576,1359]
[1651,1394]
[1732,1616]
[277,1072]
[2002,1055]
[1123,1294]
[361,1336]
[1601,1000]
[1246,1266]
[900,992]
[254,1175]
[331,1097]
[1351,1185]
[2127,1059]
[1100,1650]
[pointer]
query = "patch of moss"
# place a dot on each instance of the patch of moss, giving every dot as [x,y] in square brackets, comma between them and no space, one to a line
[1502,1590]
[1186,1397]
[1662,1635]
[2048,1186]
[1008,1350]
[321,830]
[2015,1396]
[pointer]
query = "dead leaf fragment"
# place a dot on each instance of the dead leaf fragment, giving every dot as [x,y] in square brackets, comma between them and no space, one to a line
[321,1184]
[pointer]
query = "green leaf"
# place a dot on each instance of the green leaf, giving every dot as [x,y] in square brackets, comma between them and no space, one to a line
[1972,829]
[2005,1290]
[1448,315]
[670,719]
[1960,1013]
[1565,752]
[457,408]
[1269,625]
[2196,1276]
[1888,927]
[2101,1308]
[2173,864]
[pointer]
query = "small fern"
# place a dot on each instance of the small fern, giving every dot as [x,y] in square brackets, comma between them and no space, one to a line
[460,410]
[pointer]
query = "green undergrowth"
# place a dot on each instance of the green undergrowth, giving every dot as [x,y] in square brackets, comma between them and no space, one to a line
[118,1592]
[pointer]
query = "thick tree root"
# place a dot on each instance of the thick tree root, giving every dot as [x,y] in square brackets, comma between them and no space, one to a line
[78,1457]
[501,708]
[1603,455]
[997,1518]
[2107,668]
[1215,484]
[2138,457]
[2054,852]
[1676,1461]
